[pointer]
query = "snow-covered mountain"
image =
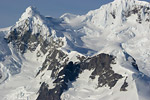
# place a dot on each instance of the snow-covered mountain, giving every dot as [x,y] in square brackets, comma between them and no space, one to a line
[103,55]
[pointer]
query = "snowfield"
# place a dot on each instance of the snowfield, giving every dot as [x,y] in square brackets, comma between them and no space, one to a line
[120,28]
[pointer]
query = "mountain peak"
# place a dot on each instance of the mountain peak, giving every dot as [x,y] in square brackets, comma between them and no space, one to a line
[137,2]
[124,0]
[31,9]
[30,12]
[31,19]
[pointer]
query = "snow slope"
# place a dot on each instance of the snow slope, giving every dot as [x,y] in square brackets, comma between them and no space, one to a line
[100,30]
[120,28]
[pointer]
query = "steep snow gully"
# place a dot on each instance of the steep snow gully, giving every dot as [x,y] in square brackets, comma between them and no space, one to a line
[103,55]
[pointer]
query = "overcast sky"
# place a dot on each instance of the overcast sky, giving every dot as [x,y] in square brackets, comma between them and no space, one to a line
[11,10]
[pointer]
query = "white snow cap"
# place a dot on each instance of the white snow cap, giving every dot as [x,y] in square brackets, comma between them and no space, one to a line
[30,12]
[124,0]
[130,2]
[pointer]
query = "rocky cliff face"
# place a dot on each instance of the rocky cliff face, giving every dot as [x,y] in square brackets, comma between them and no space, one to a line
[101,66]
[31,32]
[93,56]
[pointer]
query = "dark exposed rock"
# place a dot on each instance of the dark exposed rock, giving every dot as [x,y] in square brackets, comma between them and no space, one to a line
[44,92]
[123,87]
[134,10]
[52,94]
[148,20]
[139,20]
[139,10]
[100,65]
[135,65]
[69,73]
[132,60]
[113,14]
[53,61]
[43,46]
[81,58]
[27,41]
[23,39]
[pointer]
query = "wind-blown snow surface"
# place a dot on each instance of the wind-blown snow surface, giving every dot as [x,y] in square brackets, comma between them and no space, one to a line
[101,31]
[120,28]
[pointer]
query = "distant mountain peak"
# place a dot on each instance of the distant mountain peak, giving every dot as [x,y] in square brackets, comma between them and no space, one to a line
[76,57]
[30,20]
[124,0]
[30,12]
[126,3]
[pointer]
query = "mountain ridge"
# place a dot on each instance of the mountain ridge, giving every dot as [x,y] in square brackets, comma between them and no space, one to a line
[78,56]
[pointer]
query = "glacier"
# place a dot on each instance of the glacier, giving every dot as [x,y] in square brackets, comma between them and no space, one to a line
[102,55]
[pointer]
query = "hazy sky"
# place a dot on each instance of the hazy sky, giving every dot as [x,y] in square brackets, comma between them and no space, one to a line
[11,10]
